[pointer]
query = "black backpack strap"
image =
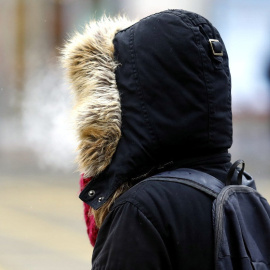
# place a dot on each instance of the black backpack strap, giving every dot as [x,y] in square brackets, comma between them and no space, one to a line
[197,179]
[232,171]
[238,176]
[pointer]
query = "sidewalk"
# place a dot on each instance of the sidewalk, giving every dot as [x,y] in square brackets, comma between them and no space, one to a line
[42,226]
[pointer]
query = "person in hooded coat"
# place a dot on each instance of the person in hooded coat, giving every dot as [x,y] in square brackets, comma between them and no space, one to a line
[150,96]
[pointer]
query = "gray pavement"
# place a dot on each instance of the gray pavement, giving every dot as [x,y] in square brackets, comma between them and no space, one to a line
[42,225]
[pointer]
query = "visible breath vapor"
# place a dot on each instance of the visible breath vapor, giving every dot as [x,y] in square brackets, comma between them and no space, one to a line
[46,119]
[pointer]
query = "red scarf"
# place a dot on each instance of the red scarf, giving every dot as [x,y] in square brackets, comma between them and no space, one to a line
[92,229]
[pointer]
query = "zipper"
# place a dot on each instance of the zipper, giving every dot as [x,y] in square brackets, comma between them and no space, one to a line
[222,197]
[219,219]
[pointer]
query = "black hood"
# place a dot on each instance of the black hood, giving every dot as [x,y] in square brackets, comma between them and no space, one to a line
[175,94]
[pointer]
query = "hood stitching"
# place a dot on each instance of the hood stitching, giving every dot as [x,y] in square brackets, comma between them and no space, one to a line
[139,88]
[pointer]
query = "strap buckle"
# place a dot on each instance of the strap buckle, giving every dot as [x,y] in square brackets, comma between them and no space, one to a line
[216,47]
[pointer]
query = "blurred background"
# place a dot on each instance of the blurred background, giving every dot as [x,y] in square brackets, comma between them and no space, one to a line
[41,225]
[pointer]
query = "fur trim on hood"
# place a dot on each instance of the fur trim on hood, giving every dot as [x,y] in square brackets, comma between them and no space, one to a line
[90,64]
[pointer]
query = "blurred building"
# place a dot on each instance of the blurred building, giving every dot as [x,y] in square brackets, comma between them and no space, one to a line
[35,102]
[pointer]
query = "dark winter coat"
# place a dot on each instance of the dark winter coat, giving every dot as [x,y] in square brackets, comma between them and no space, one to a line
[153,96]
[160,225]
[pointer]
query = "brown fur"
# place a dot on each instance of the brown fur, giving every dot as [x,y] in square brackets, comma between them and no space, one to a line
[103,211]
[89,61]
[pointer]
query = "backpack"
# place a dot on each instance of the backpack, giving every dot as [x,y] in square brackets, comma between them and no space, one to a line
[241,217]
